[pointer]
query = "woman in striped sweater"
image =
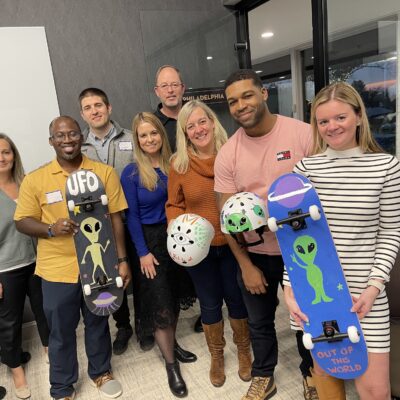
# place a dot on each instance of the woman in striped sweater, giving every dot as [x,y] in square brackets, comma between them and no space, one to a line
[359,187]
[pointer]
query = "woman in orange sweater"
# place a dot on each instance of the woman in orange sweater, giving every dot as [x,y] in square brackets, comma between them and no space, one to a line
[199,136]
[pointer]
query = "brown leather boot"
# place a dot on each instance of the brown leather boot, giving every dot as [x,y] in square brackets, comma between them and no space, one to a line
[241,338]
[329,387]
[214,334]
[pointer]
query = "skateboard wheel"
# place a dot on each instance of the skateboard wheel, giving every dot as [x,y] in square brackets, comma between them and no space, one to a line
[353,334]
[104,199]
[119,282]
[272,225]
[307,341]
[71,205]
[87,290]
[314,212]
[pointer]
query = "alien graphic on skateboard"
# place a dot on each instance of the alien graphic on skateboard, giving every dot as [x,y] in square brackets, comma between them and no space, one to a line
[332,333]
[94,242]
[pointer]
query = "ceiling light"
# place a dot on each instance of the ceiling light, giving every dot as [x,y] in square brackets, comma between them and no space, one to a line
[267,34]
[209,58]
[282,77]
[222,81]
[258,72]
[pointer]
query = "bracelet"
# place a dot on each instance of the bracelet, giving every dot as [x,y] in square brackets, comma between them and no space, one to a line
[375,283]
[50,233]
[122,259]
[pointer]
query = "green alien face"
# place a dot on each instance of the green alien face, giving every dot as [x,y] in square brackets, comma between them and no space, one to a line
[236,223]
[258,211]
[305,248]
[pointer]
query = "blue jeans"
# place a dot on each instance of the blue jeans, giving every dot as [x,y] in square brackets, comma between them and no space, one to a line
[62,304]
[215,281]
[261,309]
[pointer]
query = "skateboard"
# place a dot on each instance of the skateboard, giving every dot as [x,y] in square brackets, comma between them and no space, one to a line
[94,242]
[333,333]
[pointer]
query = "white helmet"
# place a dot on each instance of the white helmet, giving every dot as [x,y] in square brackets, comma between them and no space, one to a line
[189,239]
[244,212]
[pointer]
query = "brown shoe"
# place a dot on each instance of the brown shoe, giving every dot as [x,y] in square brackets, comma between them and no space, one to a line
[328,387]
[241,338]
[261,388]
[310,391]
[214,334]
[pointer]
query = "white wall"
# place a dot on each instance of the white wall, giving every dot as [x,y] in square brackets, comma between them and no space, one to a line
[28,100]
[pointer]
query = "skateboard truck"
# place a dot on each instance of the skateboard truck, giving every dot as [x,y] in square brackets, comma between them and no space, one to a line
[101,284]
[87,203]
[296,219]
[331,334]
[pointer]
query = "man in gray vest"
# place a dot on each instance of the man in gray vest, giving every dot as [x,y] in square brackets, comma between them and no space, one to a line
[104,140]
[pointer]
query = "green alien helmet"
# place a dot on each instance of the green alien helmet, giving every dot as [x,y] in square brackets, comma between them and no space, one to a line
[244,212]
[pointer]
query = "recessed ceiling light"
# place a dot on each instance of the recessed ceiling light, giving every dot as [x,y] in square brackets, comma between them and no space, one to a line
[222,81]
[209,58]
[267,34]
[282,77]
[312,57]
[258,72]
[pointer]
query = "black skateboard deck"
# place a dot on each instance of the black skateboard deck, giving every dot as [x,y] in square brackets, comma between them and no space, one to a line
[94,242]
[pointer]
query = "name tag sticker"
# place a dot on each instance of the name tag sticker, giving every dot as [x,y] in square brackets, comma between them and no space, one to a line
[54,197]
[124,146]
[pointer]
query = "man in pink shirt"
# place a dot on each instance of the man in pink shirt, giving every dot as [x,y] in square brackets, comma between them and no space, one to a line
[263,148]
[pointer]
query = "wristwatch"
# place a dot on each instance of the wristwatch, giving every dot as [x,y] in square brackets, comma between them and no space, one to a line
[50,233]
[378,284]
[122,259]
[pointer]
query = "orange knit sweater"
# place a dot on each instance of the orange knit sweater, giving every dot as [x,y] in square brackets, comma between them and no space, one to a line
[193,192]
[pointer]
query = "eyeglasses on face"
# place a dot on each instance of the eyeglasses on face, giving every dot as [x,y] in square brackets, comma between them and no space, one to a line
[60,136]
[173,85]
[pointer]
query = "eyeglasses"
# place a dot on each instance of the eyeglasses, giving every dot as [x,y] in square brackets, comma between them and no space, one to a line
[60,136]
[173,85]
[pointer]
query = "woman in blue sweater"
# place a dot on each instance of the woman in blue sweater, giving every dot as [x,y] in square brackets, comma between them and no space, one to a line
[145,186]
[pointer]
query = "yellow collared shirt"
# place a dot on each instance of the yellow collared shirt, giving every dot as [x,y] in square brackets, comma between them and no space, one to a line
[42,196]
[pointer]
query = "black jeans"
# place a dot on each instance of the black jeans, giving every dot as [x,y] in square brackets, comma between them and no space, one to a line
[17,284]
[261,311]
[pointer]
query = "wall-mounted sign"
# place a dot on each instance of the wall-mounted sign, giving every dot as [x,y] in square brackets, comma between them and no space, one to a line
[206,95]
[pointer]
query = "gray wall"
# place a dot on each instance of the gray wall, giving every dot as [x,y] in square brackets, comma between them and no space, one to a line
[115,45]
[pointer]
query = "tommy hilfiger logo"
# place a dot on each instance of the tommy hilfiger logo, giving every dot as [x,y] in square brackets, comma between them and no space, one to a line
[283,155]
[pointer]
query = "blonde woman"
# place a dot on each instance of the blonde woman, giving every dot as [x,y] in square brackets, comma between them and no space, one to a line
[359,187]
[191,190]
[145,186]
[17,266]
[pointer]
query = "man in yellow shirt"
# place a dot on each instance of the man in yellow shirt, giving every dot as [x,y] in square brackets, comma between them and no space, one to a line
[42,212]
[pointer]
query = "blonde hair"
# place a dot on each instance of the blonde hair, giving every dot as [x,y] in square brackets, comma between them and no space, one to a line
[344,93]
[17,170]
[148,176]
[184,145]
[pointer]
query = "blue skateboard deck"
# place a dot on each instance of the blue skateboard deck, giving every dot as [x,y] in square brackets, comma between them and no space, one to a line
[94,242]
[333,333]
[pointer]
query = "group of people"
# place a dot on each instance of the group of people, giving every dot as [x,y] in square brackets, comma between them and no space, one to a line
[179,160]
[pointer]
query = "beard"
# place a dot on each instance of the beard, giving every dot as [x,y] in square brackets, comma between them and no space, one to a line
[256,118]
